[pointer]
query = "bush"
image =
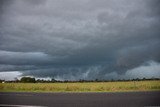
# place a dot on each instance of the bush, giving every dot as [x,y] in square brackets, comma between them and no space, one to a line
[27,80]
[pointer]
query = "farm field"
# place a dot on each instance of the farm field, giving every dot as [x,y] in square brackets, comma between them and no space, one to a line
[153,85]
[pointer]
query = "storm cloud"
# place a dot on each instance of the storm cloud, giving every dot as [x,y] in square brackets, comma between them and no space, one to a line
[86,39]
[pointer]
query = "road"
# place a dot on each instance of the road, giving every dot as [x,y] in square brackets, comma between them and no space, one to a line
[122,99]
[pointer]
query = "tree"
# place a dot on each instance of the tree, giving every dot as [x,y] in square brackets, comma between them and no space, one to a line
[53,80]
[96,80]
[27,80]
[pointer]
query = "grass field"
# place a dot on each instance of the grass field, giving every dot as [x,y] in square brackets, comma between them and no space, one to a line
[82,87]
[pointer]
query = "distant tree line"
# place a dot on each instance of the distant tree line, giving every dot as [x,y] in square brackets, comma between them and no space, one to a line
[33,80]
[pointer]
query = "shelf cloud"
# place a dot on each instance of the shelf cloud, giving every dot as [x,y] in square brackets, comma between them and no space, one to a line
[86,39]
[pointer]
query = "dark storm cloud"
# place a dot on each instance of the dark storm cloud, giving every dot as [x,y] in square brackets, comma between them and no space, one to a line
[27,58]
[85,39]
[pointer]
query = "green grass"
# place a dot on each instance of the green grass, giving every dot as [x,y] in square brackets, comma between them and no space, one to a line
[82,87]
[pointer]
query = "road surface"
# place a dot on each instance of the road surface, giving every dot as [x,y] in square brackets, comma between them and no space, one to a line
[122,99]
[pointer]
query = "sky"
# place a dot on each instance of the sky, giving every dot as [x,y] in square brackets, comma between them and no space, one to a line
[80,39]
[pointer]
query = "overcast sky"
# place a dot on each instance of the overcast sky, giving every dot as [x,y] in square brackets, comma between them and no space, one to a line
[80,39]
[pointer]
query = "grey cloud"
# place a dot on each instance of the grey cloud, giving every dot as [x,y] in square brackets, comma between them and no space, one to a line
[6,68]
[149,69]
[65,39]
[18,58]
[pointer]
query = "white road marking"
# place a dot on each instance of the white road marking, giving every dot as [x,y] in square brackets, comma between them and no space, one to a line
[7,105]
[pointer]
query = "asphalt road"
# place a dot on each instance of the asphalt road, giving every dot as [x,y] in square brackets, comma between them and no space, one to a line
[128,99]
